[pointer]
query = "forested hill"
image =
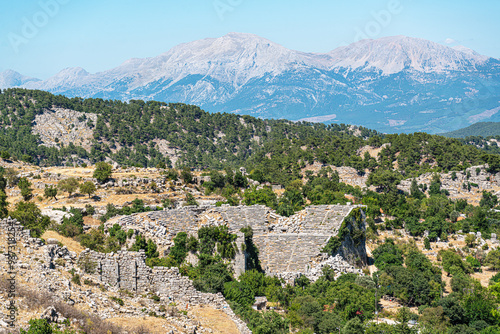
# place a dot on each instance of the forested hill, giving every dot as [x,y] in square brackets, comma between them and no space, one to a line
[481,129]
[484,135]
[135,133]
[54,130]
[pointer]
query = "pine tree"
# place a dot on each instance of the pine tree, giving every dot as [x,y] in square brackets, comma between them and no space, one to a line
[415,191]
[4,212]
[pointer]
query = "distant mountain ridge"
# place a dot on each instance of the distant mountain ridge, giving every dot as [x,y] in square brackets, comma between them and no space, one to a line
[481,129]
[392,84]
[11,78]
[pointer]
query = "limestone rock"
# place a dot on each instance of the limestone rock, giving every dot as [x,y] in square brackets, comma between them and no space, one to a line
[56,216]
[52,241]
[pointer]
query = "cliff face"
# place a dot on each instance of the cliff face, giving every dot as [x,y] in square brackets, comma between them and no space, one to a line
[353,248]
[349,241]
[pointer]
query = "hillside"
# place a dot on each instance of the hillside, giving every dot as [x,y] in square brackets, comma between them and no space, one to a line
[480,129]
[391,84]
[138,221]
[53,130]
[253,208]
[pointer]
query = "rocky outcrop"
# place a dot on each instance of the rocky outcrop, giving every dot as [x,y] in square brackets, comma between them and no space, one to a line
[64,126]
[56,216]
[453,182]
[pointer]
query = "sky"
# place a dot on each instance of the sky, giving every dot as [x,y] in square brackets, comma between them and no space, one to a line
[39,38]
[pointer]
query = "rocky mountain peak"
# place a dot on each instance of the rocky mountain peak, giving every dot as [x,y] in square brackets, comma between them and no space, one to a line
[397,53]
[10,78]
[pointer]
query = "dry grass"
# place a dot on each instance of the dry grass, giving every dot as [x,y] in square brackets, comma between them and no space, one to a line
[485,276]
[88,220]
[216,320]
[90,323]
[142,325]
[106,196]
[73,246]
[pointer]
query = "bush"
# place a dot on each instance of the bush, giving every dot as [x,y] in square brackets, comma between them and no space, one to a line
[72,226]
[192,244]
[30,216]
[190,200]
[214,274]
[179,252]
[117,300]
[87,265]
[493,259]
[387,254]
[495,279]
[102,171]
[155,297]
[186,175]
[453,264]
[38,326]
[239,292]
[76,279]
[89,210]
[474,263]
[427,243]
[93,240]
[60,262]
[470,240]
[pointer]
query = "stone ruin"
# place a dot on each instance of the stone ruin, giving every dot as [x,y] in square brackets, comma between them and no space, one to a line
[484,181]
[128,271]
[289,245]
[117,271]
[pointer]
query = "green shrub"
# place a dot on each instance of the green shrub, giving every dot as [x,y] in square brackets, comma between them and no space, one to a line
[117,300]
[76,279]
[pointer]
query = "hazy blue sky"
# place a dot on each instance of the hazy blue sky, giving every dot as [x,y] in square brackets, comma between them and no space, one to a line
[39,39]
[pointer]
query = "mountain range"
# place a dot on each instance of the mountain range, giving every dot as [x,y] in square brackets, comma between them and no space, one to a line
[391,84]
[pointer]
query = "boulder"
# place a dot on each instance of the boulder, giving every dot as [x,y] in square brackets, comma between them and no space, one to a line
[51,315]
[56,216]
[52,241]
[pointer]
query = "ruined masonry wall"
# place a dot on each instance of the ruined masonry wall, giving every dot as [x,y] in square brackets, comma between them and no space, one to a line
[286,244]
[128,270]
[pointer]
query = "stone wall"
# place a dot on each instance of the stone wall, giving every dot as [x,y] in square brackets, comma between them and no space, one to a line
[122,270]
[21,234]
[128,271]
